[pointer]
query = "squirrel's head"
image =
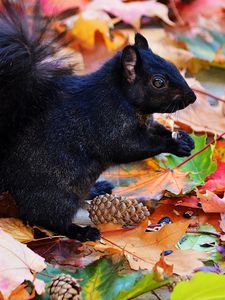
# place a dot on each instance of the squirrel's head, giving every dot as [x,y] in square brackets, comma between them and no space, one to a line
[151,83]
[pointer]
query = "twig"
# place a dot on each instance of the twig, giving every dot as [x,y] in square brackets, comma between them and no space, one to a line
[203,232]
[201,150]
[155,294]
[47,275]
[208,94]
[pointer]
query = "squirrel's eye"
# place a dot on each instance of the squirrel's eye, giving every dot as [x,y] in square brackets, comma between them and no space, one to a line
[158,82]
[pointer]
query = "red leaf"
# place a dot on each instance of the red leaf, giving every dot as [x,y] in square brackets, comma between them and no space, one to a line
[216,181]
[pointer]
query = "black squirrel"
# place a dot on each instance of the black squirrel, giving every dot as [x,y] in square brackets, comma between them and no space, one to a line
[59,131]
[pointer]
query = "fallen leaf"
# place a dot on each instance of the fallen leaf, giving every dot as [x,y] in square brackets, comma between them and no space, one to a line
[59,250]
[208,46]
[211,203]
[196,240]
[167,269]
[54,7]
[191,11]
[222,222]
[147,180]
[201,116]
[200,166]
[216,181]
[17,229]
[132,12]
[18,263]
[143,249]
[201,286]
[143,285]
[21,293]
[88,23]
[176,214]
[187,201]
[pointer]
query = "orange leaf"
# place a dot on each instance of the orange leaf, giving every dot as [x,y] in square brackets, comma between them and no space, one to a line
[175,213]
[166,268]
[20,293]
[211,203]
[153,185]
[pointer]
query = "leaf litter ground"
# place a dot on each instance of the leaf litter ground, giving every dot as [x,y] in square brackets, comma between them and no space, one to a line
[194,239]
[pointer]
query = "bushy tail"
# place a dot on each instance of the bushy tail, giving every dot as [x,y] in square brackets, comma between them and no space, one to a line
[27,68]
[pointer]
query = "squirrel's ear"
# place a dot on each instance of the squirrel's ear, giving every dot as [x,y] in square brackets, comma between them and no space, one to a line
[129,60]
[140,41]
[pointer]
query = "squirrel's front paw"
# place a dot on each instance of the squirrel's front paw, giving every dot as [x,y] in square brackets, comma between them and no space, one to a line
[184,144]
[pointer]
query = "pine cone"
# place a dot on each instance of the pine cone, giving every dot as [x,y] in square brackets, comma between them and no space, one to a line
[110,208]
[64,287]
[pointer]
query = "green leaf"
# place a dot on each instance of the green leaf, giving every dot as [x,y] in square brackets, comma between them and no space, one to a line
[206,49]
[200,166]
[203,286]
[147,283]
[101,280]
[194,241]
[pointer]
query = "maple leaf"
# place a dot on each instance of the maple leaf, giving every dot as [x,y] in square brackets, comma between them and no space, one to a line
[18,263]
[211,202]
[59,250]
[143,249]
[192,11]
[90,22]
[132,12]
[216,181]
[176,214]
[200,166]
[147,180]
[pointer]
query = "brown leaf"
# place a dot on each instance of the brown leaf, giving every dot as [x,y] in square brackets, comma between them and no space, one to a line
[142,249]
[59,250]
[17,229]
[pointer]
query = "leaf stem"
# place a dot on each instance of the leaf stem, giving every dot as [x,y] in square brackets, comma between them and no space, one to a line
[208,94]
[47,275]
[199,151]
[189,230]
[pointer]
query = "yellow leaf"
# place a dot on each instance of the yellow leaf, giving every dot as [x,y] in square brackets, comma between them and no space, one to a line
[17,229]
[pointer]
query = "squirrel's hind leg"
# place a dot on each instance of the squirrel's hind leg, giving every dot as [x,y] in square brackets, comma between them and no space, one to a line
[55,211]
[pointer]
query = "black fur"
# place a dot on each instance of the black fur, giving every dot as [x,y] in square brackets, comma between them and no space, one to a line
[59,132]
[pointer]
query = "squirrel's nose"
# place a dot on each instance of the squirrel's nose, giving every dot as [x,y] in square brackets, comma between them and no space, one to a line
[191,97]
